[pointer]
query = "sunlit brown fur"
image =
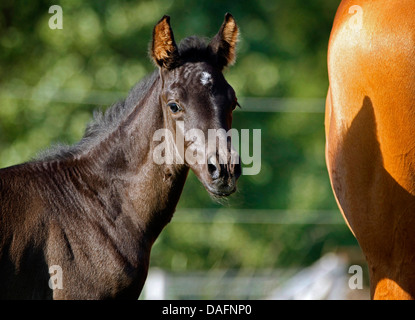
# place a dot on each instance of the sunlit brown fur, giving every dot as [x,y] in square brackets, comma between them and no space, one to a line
[370,131]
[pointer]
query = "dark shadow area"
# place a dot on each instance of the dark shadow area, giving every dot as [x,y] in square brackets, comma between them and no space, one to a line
[378,209]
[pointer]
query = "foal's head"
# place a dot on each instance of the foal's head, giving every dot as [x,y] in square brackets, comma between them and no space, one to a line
[197,102]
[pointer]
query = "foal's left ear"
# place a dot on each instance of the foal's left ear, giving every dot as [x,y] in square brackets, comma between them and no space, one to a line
[224,43]
[164,49]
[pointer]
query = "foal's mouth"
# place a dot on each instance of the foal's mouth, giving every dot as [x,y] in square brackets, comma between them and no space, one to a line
[221,192]
[219,180]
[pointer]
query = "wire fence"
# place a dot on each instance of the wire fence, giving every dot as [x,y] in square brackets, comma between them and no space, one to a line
[257,216]
[105,98]
[197,215]
[326,279]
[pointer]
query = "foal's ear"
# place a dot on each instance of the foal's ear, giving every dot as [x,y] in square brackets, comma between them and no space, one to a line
[224,43]
[164,49]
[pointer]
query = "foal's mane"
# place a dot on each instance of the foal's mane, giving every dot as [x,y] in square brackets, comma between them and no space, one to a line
[102,124]
[191,49]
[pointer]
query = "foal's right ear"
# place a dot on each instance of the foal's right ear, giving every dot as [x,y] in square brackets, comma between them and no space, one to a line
[164,49]
[224,43]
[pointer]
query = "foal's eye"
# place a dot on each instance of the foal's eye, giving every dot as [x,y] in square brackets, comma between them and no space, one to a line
[174,107]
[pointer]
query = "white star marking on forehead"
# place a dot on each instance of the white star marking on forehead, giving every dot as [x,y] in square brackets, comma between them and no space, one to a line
[205,78]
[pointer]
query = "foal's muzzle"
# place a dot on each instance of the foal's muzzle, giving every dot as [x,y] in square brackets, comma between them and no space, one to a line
[223,174]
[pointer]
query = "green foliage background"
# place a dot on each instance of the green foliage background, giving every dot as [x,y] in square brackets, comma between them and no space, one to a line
[52,80]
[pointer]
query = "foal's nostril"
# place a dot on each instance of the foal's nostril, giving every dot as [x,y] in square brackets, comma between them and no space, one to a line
[213,167]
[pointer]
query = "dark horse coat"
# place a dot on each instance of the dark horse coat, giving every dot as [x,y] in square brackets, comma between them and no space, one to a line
[79,222]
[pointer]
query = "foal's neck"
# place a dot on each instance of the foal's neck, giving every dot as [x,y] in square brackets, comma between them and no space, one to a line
[148,192]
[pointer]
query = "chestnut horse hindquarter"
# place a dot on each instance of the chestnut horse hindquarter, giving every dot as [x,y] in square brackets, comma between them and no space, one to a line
[370,136]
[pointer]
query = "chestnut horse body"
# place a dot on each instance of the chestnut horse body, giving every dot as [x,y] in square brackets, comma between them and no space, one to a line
[370,149]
